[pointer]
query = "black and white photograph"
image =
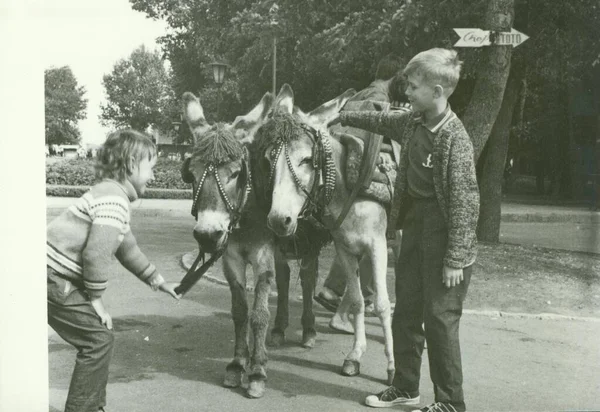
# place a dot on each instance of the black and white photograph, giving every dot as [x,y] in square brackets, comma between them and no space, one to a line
[300,205]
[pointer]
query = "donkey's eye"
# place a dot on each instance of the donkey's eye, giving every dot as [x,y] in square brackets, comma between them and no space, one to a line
[306,161]
[234,175]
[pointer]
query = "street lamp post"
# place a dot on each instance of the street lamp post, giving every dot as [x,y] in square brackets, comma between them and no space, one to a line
[273,11]
[219,70]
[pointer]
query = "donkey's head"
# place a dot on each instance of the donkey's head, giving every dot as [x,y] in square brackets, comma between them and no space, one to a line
[292,144]
[218,170]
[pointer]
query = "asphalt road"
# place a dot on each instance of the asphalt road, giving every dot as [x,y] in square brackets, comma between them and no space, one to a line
[171,356]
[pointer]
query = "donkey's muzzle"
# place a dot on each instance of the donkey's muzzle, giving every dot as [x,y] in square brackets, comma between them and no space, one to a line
[211,241]
[281,225]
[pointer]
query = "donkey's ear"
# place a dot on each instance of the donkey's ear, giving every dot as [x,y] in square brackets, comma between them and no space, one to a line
[186,175]
[194,115]
[328,110]
[285,98]
[245,127]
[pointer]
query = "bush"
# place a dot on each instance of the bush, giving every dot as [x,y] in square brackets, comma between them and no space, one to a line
[80,172]
[70,172]
[78,191]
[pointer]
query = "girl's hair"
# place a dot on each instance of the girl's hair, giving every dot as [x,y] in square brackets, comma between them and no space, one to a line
[113,157]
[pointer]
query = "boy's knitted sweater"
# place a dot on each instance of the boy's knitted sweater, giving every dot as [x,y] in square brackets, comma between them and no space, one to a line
[454,177]
[82,241]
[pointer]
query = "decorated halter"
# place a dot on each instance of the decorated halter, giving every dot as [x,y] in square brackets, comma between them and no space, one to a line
[235,213]
[321,192]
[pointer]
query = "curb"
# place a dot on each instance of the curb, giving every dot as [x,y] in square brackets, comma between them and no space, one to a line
[519,315]
[188,258]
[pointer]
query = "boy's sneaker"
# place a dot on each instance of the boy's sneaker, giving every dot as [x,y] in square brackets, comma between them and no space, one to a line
[437,407]
[391,397]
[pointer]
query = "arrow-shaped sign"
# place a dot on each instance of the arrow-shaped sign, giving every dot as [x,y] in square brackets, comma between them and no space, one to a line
[479,38]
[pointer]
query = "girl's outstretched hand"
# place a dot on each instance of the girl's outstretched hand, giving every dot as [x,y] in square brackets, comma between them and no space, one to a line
[169,288]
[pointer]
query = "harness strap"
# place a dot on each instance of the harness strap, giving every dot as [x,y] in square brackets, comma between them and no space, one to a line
[365,176]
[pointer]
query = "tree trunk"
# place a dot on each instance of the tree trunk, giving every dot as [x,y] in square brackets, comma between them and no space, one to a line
[493,70]
[490,184]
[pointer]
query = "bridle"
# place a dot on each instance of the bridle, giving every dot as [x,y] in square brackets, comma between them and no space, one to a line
[235,212]
[194,273]
[321,191]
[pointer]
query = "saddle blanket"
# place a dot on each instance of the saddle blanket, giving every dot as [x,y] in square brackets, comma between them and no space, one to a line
[381,188]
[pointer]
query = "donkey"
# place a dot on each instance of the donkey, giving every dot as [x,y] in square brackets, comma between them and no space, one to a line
[307,180]
[229,216]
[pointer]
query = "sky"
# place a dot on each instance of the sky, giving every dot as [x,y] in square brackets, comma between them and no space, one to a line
[90,36]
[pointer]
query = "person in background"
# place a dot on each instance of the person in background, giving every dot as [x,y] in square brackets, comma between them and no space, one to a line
[383,89]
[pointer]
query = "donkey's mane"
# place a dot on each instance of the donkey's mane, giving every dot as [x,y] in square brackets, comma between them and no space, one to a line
[281,126]
[218,146]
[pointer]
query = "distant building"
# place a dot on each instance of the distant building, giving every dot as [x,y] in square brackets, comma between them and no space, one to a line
[70,151]
[166,147]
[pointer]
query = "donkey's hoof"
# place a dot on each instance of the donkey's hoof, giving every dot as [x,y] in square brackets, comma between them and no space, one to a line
[390,376]
[256,389]
[233,378]
[351,368]
[277,339]
[309,340]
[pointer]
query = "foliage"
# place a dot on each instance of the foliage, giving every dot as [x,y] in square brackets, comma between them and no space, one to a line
[80,172]
[326,47]
[72,172]
[139,93]
[64,106]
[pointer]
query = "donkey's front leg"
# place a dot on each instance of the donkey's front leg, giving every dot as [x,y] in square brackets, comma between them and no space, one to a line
[309,270]
[282,276]
[353,303]
[234,269]
[263,265]
[378,253]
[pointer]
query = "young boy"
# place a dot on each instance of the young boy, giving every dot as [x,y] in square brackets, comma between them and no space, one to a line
[81,243]
[436,203]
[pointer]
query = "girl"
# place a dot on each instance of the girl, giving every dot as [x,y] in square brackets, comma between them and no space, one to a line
[81,243]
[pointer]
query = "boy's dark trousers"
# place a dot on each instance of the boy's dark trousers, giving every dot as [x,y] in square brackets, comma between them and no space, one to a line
[421,297]
[72,316]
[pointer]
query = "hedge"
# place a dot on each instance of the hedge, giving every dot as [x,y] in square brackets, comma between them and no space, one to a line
[77,191]
[72,177]
[80,172]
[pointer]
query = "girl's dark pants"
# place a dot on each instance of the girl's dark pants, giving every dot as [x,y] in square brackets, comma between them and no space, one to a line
[72,316]
[421,297]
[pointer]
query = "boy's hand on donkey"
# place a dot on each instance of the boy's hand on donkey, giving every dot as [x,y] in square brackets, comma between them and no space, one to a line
[452,277]
[169,288]
[105,318]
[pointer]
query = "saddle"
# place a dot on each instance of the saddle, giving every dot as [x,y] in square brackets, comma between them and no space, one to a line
[371,160]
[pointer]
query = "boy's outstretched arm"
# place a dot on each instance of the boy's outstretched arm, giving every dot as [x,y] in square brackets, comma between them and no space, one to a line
[391,124]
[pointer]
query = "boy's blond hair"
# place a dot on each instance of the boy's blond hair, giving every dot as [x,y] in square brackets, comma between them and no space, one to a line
[119,147]
[436,66]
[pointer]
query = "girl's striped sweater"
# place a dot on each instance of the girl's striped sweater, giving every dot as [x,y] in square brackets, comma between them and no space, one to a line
[85,238]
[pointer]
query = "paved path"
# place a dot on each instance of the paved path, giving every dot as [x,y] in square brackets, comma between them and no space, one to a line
[171,356]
